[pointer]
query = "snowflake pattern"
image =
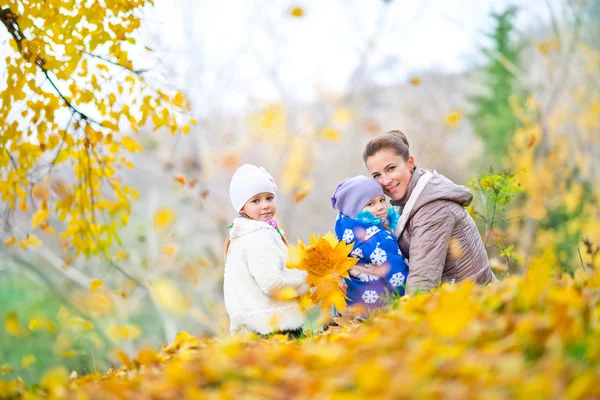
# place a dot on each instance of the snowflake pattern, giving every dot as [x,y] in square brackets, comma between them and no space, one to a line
[370,296]
[378,256]
[357,253]
[397,279]
[348,236]
[370,232]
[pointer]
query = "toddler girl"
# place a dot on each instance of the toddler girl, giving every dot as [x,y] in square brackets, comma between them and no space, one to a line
[255,260]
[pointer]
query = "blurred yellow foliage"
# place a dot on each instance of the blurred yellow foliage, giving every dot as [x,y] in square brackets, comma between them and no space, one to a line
[462,341]
[75,116]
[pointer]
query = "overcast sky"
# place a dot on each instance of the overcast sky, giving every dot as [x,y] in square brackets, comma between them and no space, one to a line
[228,55]
[229,52]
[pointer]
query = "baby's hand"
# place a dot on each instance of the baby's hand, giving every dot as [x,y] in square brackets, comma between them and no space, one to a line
[375,270]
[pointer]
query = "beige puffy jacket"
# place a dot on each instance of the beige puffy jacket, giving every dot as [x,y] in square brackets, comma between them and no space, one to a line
[440,239]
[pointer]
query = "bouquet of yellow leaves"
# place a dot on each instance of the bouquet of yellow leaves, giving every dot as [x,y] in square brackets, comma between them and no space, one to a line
[327,261]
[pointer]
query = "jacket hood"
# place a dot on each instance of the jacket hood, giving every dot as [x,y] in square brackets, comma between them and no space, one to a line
[438,188]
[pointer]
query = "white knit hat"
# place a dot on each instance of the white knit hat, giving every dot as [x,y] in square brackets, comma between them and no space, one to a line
[247,182]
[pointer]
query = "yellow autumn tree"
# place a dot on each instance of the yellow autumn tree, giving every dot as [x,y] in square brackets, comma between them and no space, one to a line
[555,152]
[70,93]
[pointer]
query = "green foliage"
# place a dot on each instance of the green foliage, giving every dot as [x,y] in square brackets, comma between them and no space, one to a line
[28,300]
[493,119]
[496,191]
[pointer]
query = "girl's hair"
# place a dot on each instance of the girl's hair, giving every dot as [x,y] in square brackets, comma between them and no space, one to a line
[395,140]
[228,242]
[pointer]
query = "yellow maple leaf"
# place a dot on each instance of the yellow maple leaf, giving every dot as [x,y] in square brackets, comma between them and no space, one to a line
[329,293]
[326,260]
[95,284]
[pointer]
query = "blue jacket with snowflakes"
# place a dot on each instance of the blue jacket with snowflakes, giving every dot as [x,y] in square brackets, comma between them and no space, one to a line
[373,245]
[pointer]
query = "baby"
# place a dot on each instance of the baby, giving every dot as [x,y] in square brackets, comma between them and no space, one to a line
[365,220]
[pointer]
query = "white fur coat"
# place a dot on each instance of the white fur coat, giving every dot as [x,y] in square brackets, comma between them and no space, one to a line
[254,267]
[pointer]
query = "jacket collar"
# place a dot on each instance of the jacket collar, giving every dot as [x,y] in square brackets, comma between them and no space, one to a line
[414,178]
[242,226]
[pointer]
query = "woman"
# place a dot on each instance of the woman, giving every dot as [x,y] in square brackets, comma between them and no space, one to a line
[435,232]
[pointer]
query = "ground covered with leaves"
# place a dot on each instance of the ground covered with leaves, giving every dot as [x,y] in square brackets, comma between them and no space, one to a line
[534,336]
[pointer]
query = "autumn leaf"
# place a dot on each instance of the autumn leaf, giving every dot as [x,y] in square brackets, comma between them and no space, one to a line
[131,144]
[342,115]
[297,12]
[163,218]
[39,217]
[95,284]
[299,196]
[11,324]
[415,80]
[453,118]
[327,261]
[40,192]
[330,134]
[284,293]
[179,100]
[121,332]
[5,368]
[27,360]
[41,323]
[169,250]
[180,179]
[54,382]
[168,296]
[33,241]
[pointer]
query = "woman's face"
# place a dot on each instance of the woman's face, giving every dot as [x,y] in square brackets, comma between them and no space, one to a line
[391,171]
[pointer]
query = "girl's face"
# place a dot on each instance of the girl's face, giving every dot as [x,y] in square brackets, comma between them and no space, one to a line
[391,171]
[378,207]
[260,207]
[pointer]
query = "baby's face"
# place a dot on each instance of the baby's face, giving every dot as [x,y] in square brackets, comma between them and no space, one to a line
[378,207]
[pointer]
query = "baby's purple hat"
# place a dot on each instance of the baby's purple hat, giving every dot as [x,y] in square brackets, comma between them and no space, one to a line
[352,194]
